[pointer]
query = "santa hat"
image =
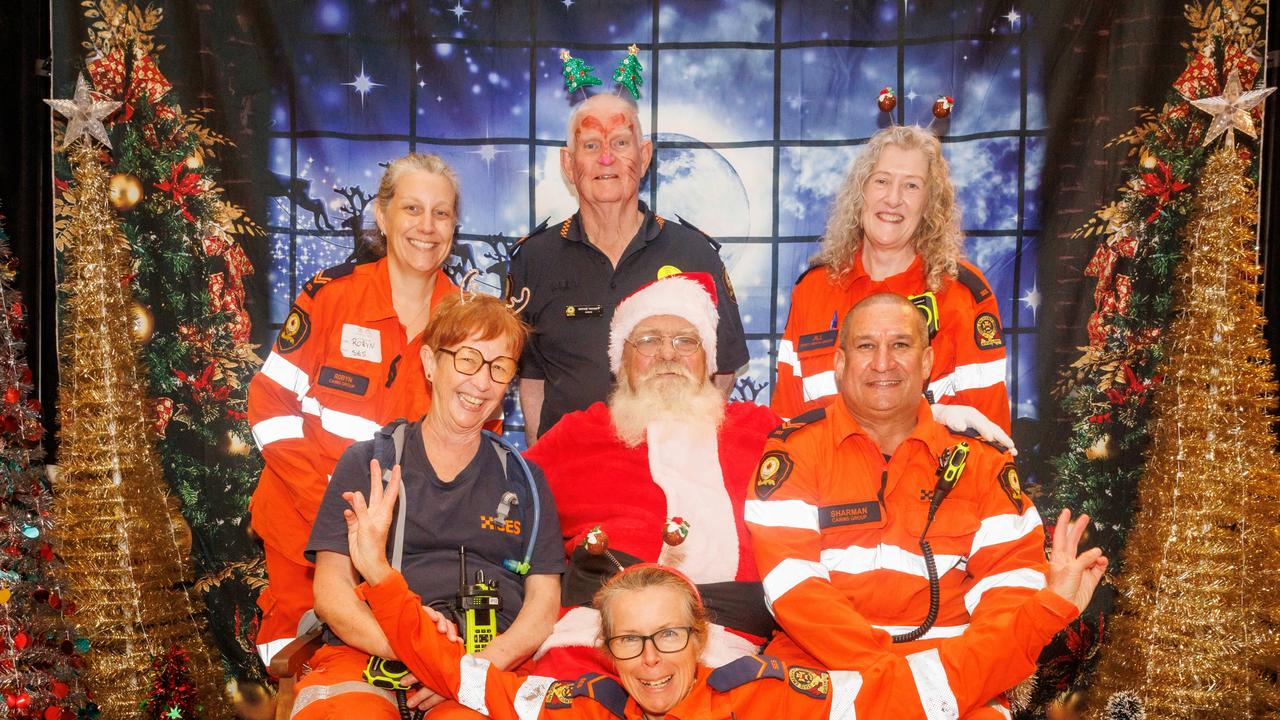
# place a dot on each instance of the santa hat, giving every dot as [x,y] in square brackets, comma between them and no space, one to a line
[691,296]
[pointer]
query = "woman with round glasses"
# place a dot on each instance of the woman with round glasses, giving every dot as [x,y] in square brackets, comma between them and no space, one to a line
[461,492]
[654,626]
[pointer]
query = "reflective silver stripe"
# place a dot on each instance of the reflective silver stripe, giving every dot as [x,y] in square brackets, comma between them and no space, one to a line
[855,560]
[787,354]
[796,514]
[316,693]
[935,632]
[530,695]
[268,650]
[788,574]
[284,427]
[845,685]
[1020,578]
[286,375]
[345,425]
[471,683]
[999,529]
[820,385]
[1000,708]
[968,377]
[936,697]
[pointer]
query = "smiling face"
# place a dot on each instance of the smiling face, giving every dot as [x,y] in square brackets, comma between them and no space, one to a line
[668,367]
[658,681]
[883,361]
[606,158]
[894,198]
[463,403]
[418,221]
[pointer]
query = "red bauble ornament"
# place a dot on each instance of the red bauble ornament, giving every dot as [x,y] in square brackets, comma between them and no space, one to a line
[53,713]
[59,689]
[21,640]
[887,100]
[942,106]
[11,395]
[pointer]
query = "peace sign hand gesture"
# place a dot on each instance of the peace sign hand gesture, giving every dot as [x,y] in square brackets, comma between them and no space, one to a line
[369,523]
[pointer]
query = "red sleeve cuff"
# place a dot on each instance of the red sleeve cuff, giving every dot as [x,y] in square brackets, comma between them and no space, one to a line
[391,587]
[1052,612]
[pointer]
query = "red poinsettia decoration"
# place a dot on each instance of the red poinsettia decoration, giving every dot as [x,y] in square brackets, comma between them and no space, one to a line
[181,185]
[1162,186]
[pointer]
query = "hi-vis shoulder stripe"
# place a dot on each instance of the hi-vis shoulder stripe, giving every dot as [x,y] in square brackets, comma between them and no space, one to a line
[845,685]
[796,514]
[286,374]
[528,703]
[969,377]
[787,354]
[999,529]
[345,425]
[820,385]
[935,691]
[284,427]
[1019,578]
[788,574]
[471,683]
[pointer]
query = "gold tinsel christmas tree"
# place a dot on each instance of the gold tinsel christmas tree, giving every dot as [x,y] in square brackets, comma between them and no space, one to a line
[121,549]
[1195,633]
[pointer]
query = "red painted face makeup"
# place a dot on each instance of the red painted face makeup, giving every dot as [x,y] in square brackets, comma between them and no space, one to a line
[607,159]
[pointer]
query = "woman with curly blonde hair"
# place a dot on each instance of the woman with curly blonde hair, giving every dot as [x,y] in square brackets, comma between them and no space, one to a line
[895,227]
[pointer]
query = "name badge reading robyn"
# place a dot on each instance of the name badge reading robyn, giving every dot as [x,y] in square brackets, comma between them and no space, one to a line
[361,343]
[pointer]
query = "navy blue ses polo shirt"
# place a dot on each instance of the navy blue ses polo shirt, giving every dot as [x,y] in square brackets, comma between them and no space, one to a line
[573,292]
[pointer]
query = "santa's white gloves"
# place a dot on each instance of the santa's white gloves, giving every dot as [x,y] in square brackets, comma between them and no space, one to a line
[963,418]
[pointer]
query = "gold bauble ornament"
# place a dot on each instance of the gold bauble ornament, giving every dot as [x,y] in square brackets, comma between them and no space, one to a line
[142,322]
[1148,160]
[1100,449]
[195,160]
[124,191]
[233,444]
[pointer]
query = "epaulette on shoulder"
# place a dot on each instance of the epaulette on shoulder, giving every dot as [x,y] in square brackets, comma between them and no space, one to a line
[324,277]
[808,270]
[745,669]
[698,230]
[973,435]
[541,226]
[970,278]
[604,690]
[783,431]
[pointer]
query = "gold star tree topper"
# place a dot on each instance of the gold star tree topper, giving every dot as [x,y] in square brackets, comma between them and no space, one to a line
[1231,110]
[84,115]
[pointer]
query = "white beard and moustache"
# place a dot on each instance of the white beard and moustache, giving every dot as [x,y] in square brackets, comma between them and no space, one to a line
[678,398]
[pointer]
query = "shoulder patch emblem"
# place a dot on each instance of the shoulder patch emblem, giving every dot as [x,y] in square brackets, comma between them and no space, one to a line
[559,695]
[1011,486]
[745,669]
[296,330]
[604,690]
[323,277]
[987,334]
[927,304]
[783,431]
[814,683]
[775,467]
[667,271]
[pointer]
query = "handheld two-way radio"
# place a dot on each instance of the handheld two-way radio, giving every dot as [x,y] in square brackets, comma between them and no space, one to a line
[950,468]
[476,607]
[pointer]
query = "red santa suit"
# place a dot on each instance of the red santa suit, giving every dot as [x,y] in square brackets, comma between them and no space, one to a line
[697,474]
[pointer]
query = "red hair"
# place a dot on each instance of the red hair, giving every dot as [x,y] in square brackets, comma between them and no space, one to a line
[458,317]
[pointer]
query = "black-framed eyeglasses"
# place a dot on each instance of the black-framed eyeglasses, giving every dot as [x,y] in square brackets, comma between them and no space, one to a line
[651,345]
[666,640]
[468,361]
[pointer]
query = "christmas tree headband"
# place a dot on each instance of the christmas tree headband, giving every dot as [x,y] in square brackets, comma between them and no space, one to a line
[578,75]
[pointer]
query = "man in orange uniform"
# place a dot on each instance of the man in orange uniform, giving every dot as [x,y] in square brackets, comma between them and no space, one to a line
[340,369]
[844,497]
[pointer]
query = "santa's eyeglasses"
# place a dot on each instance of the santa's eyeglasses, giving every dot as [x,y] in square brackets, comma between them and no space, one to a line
[651,345]
[468,361]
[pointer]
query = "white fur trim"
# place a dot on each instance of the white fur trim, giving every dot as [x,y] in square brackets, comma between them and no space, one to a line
[684,460]
[580,627]
[673,295]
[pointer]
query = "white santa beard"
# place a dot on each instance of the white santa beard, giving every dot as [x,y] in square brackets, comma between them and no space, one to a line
[684,461]
[666,397]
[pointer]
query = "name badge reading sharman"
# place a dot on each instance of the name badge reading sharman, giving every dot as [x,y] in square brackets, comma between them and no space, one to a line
[583,311]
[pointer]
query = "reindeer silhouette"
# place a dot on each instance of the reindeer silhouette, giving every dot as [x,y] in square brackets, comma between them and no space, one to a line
[357,201]
[747,390]
[298,191]
[486,254]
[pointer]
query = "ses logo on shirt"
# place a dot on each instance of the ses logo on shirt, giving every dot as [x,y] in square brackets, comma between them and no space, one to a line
[497,524]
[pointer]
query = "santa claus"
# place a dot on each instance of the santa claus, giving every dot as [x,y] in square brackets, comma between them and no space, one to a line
[658,474]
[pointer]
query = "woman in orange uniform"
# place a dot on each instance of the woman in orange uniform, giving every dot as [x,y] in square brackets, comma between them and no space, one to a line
[895,227]
[653,627]
[345,363]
